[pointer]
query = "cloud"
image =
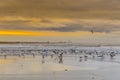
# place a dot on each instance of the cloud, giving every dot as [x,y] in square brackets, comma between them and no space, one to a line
[59,25]
[61,8]
[65,16]
[83,27]
[45,21]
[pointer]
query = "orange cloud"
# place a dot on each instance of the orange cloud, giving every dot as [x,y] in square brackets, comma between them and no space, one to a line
[41,33]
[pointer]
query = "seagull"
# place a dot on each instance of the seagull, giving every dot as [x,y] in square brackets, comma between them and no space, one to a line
[92,31]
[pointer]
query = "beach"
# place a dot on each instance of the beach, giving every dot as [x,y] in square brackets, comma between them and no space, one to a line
[29,68]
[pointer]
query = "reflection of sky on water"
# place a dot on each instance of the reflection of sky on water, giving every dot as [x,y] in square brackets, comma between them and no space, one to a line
[28,65]
[29,68]
[31,65]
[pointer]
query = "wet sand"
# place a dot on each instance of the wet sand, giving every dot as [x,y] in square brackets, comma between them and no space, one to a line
[29,68]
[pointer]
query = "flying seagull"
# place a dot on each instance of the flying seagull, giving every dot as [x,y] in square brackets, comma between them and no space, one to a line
[92,31]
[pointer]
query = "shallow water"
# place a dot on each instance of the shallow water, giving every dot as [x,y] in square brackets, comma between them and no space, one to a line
[32,68]
[30,65]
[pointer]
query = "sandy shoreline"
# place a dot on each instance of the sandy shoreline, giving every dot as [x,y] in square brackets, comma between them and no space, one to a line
[71,69]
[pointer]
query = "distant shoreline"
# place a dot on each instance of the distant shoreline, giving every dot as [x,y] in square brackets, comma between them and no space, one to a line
[56,43]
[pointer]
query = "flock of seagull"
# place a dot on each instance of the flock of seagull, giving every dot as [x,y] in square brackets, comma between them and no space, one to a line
[83,53]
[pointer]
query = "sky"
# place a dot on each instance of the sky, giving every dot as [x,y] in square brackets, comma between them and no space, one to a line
[60,20]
